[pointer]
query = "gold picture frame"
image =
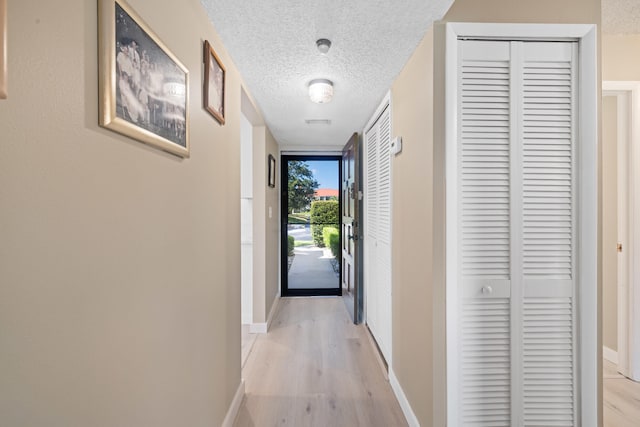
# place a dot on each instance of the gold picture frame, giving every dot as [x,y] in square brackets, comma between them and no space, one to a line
[214,83]
[144,88]
[3,49]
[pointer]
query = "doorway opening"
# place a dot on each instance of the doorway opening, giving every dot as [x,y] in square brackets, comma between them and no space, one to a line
[620,299]
[621,340]
[311,225]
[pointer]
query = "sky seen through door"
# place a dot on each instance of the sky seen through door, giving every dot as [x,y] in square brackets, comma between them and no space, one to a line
[325,172]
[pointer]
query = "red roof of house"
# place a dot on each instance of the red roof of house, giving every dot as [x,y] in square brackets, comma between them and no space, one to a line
[326,192]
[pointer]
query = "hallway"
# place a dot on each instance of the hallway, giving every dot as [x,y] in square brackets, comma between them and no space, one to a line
[316,368]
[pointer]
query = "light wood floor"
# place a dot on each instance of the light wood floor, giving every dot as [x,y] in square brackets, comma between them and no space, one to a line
[621,398]
[315,368]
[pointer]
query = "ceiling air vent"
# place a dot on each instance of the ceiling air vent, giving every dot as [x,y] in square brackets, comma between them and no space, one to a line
[318,122]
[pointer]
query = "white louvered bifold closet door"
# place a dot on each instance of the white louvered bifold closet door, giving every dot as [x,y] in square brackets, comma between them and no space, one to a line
[548,356]
[377,230]
[485,234]
[516,228]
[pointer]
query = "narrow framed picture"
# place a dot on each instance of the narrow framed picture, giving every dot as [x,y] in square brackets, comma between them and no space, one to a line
[214,80]
[144,88]
[272,171]
[3,49]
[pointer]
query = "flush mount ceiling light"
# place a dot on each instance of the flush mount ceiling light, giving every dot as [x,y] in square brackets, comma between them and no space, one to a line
[320,90]
[323,45]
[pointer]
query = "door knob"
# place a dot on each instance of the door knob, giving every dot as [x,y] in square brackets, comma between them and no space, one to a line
[487,290]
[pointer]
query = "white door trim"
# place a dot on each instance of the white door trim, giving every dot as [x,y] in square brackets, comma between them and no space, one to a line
[587,203]
[627,94]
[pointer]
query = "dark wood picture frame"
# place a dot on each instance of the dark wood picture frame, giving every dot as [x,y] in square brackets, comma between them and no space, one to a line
[272,172]
[144,88]
[214,83]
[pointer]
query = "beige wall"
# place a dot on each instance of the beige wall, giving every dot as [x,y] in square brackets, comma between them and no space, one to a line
[609,223]
[620,60]
[418,189]
[265,229]
[541,11]
[119,264]
[412,229]
[272,200]
[259,225]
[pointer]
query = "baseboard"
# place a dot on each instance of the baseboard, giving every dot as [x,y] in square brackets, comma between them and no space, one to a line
[263,328]
[412,420]
[246,319]
[272,312]
[610,355]
[258,328]
[232,413]
[382,363]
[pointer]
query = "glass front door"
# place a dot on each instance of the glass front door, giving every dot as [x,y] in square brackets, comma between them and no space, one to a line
[311,224]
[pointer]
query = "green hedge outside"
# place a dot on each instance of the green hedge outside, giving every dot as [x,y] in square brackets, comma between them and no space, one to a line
[324,213]
[331,238]
[291,242]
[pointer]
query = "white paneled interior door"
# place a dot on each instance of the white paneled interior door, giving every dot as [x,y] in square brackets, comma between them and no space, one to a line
[516,231]
[377,228]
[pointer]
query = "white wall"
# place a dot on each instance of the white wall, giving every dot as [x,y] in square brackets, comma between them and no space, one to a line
[246,209]
[265,228]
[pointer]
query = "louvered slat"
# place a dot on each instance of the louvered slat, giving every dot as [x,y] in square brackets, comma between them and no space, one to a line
[384,231]
[384,179]
[548,244]
[486,393]
[547,158]
[371,189]
[485,169]
[548,362]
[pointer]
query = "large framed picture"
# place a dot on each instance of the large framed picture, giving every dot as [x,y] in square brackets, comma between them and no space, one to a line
[214,78]
[144,88]
[3,49]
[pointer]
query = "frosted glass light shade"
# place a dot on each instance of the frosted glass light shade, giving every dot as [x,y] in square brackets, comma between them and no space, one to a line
[320,90]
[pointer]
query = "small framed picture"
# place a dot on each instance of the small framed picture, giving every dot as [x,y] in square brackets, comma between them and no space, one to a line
[214,79]
[144,88]
[272,171]
[3,49]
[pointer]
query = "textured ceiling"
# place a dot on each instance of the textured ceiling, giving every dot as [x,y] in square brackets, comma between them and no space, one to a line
[621,16]
[272,42]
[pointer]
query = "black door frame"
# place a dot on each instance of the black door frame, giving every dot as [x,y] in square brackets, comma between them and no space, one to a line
[284,217]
